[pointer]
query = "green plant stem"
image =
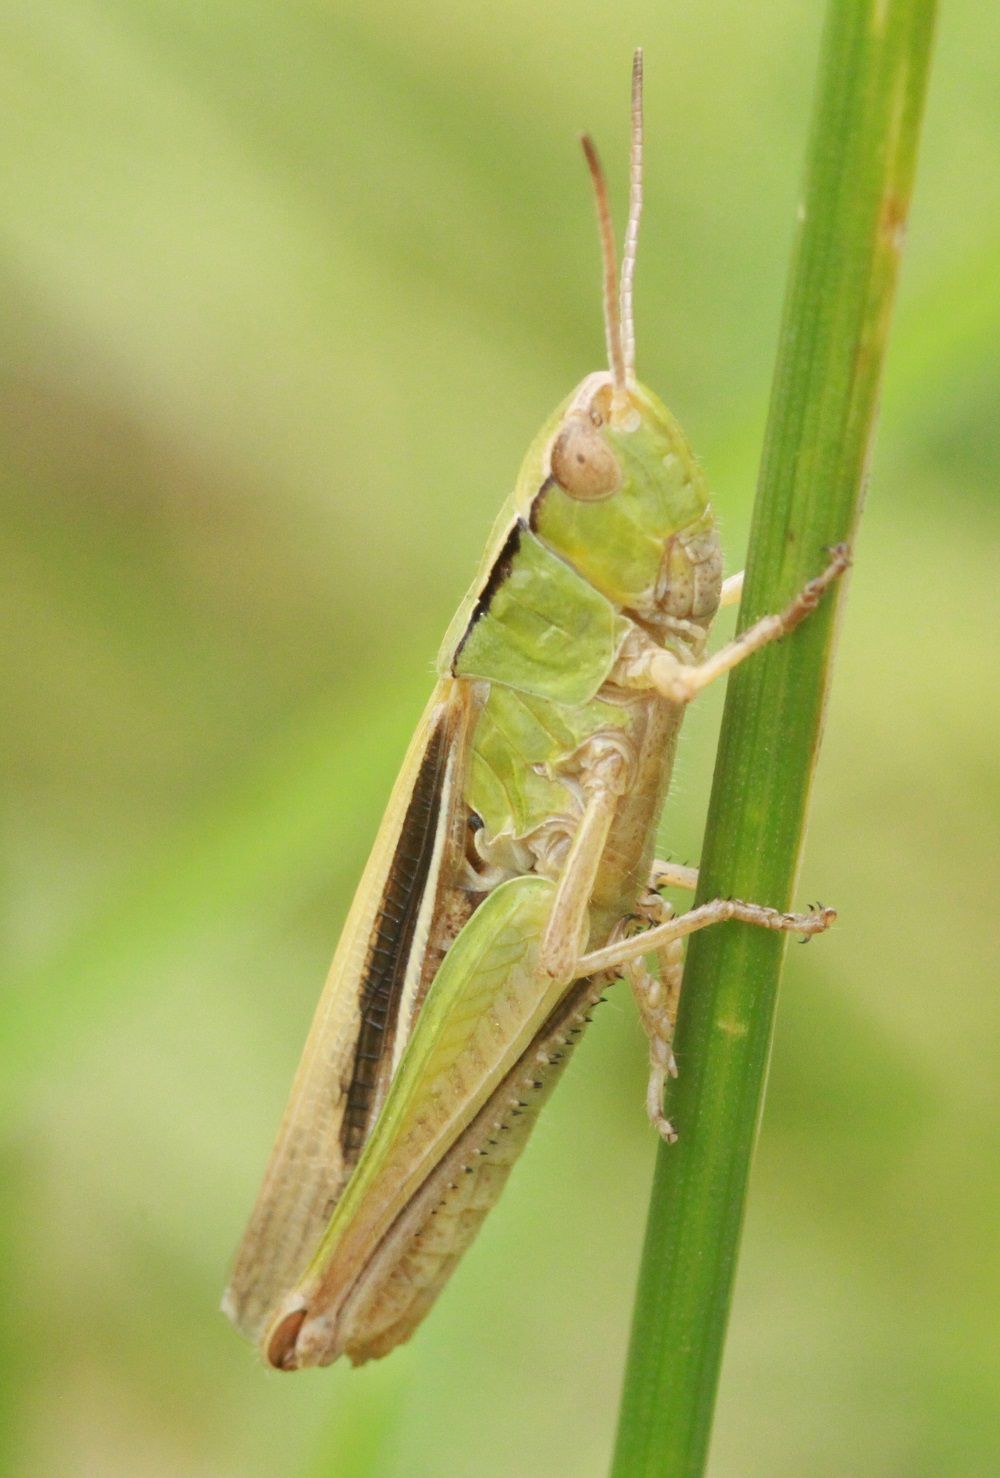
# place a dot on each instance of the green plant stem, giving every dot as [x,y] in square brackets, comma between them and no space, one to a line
[860,168]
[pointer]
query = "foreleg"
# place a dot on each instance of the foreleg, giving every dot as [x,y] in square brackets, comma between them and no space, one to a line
[642,663]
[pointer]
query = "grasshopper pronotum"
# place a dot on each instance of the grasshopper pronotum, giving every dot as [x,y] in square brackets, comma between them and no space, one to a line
[511,867]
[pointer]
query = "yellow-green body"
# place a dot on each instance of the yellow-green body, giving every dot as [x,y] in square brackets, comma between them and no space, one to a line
[608,538]
[516,847]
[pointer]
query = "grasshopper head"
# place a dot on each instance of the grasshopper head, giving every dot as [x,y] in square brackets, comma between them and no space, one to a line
[612,481]
[615,484]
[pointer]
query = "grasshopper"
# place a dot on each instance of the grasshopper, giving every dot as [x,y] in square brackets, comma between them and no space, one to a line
[513,876]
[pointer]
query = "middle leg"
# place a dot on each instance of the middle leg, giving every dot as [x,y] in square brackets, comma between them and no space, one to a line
[657,995]
[720,910]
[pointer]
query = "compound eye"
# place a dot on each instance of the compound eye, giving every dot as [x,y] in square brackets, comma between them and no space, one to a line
[582,462]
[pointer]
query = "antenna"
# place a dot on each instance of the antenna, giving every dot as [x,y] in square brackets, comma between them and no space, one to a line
[632,229]
[612,307]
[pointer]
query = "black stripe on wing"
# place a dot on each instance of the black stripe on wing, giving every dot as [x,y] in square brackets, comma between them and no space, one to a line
[392,940]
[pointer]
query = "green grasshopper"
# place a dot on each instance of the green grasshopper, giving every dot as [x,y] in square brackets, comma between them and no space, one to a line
[513,875]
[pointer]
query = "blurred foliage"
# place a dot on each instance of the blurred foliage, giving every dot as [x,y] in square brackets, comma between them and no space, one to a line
[287,291]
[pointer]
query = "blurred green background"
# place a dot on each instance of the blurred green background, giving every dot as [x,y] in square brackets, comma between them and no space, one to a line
[287,289]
